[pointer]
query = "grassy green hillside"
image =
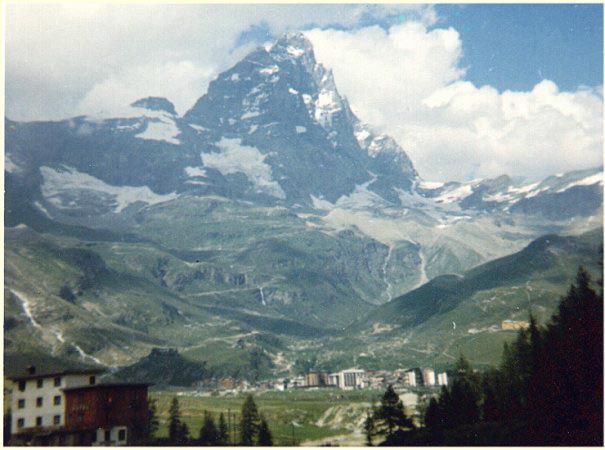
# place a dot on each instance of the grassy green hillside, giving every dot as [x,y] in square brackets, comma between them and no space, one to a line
[433,324]
[117,308]
[262,288]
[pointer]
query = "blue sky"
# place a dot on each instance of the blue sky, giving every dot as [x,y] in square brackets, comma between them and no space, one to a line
[516,46]
[508,46]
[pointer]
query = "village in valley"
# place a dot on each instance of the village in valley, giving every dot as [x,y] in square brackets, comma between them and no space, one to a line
[349,379]
[88,407]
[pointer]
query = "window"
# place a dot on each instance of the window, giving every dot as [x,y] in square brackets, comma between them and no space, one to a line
[20,423]
[57,400]
[39,401]
[92,380]
[57,381]
[108,435]
[39,421]
[56,420]
[21,386]
[40,383]
[122,435]
[21,403]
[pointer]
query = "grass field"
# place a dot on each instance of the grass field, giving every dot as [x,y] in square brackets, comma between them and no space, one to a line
[292,415]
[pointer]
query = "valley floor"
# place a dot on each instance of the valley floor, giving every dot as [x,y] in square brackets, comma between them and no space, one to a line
[309,418]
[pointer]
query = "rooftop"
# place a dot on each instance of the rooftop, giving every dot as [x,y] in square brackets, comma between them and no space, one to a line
[33,374]
[107,385]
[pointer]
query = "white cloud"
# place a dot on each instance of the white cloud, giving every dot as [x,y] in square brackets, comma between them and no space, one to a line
[64,59]
[179,82]
[69,59]
[408,82]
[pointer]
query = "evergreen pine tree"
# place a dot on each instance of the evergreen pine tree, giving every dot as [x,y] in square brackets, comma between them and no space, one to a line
[264,434]
[369,429]
[208,432]
[493,396]
[433,417]
[153,422]
[459,402]
[183,434]
[249,421]
[223,433]
[174,425]
[569,373]
[390,415]
[178,432]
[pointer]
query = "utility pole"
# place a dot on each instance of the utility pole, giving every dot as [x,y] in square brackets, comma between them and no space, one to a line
[293,438]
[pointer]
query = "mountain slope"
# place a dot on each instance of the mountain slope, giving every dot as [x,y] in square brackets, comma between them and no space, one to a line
[267,208]
[450,314]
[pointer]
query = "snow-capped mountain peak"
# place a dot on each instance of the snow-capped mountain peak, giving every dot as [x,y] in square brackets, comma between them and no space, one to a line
[294,47]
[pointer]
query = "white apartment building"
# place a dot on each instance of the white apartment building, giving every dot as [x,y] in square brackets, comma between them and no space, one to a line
[409,378]
[442,379]
[348,379]
[428,376]
[38,400]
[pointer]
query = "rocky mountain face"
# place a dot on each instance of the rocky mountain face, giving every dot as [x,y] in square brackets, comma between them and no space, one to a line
[268,207]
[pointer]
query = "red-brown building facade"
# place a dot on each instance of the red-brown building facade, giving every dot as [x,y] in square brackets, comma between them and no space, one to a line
[115,413]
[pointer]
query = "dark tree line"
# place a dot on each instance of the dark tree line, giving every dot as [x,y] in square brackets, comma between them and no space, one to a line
[548,389]
[253,428]
[211,434]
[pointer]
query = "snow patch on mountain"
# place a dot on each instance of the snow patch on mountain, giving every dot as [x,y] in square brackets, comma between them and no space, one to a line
[327,104]
[361,134]
[500,197]
[588,181]
[362,198]
[295,51]
[430,185]
[10,166]
[455,195]
[59,187]
[320,204]
[269,70]
[195,172]
[237,158]
[449,221]
[39,205]
[161,129]
[250,115]
[198,128]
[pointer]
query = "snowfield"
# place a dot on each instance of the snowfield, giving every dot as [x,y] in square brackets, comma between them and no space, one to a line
[237,158]
[161,129]
[66,181]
